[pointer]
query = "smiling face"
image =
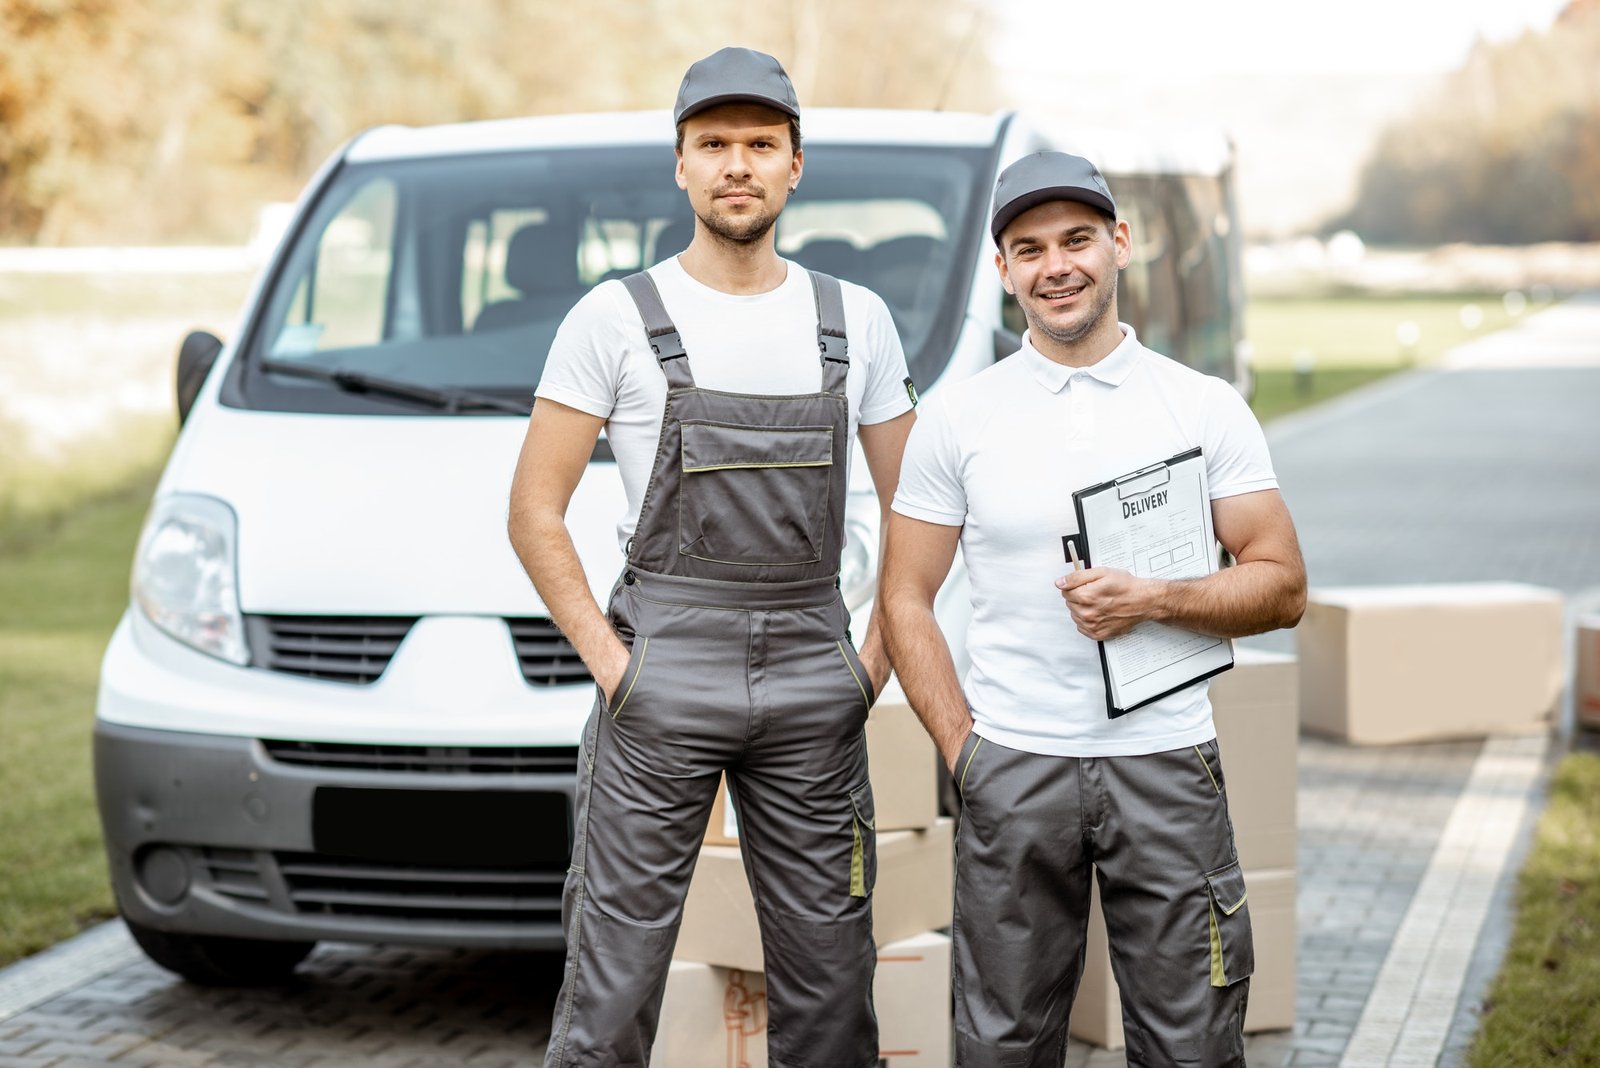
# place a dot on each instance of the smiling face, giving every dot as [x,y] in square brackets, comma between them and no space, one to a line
[1060,260]
[738,165]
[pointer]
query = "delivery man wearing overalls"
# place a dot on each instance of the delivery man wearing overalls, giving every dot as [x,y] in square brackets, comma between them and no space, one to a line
[730,383]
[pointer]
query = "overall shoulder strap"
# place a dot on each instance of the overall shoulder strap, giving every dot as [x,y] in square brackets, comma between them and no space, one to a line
[661,331]
[831,339]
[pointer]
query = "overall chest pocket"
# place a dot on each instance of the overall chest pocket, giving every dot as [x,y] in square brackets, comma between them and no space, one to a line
[754,495]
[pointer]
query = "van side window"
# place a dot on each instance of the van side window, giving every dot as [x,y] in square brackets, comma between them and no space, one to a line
[1147,292]
[1202,228]
[342,298]
[1011,316]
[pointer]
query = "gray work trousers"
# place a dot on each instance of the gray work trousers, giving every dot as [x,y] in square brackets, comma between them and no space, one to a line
[777,698]
[1156,829]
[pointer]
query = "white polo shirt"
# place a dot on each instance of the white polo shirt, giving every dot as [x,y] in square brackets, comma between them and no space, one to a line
[601,362]
[1000,455]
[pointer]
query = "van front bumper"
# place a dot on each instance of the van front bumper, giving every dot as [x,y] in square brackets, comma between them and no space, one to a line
[245,837]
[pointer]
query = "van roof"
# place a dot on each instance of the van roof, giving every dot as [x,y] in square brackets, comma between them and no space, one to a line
[1187,150]
[820,125]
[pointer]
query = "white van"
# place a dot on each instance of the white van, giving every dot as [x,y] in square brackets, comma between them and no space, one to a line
[335,708]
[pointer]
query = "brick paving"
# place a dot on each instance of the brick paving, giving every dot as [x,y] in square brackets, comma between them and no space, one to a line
[1428,477]
[377,1007]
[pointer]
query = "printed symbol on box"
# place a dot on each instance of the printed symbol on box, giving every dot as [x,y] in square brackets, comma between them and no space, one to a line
[744,1011]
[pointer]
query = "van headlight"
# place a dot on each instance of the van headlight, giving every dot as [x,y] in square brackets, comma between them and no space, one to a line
[858,567]
[184,575]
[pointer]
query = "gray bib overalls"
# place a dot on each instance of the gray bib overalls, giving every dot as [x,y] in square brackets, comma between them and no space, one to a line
[740,661]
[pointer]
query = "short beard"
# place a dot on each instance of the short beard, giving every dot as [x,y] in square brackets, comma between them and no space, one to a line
[741,232]
[1074,334]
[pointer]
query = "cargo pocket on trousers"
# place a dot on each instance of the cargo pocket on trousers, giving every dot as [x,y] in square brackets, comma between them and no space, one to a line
[1233,955]
[630,676]
[863,844]
[754,495]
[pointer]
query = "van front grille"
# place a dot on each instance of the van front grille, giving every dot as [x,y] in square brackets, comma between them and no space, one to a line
[547,658]
[353,649]
[428,759]
[336,886]
[235,873]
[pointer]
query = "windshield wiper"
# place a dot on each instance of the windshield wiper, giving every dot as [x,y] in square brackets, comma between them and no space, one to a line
[450,401]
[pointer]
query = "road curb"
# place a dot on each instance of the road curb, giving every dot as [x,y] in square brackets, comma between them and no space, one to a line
[65,966]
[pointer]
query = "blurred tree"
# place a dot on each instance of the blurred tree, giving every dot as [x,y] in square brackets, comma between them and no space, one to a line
[1507,152]
[139,120]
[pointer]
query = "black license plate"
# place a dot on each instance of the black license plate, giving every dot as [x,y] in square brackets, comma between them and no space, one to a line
[451,828]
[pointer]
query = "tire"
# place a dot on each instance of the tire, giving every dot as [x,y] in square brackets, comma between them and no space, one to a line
[215,960]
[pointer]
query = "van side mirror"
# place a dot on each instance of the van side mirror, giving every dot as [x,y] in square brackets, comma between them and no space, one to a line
[1005,343]
[195,357]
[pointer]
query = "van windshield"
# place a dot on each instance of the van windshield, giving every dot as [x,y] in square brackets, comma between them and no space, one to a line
[454,273]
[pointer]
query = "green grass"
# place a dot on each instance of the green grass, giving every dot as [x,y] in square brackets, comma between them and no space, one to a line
[1541,1009]
[35,490]
[60,597]
[1351,340]
[1360,330]
[1281,392]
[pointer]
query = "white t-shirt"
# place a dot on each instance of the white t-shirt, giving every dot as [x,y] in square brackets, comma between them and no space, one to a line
[601,362]
[1000,456]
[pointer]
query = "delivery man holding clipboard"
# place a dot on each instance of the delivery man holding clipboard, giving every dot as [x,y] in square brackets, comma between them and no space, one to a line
[1051,784]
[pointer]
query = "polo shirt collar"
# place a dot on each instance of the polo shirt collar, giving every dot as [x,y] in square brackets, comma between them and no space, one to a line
[1113,369]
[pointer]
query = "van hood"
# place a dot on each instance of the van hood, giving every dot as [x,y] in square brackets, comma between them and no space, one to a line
[382,515]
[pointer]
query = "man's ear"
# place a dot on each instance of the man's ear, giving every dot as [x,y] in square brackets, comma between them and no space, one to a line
[1005,275]
[1122,237]
[678,175]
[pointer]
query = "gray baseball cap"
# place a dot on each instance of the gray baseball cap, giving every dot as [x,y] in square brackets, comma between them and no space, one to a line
[1043,177]
[735,75]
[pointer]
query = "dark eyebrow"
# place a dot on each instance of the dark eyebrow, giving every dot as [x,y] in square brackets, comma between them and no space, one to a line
[1081,228]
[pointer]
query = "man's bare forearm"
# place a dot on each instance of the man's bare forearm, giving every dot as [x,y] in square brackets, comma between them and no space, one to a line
[544,545]
[1247,598]
[927,674]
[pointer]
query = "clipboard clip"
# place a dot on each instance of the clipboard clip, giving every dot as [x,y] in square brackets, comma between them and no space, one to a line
[1142,481]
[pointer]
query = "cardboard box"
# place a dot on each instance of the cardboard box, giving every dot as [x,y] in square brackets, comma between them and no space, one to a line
[902,762]
[713,1017]
[723,826]
[1097,1012]
[1256,709]
[913,894]
[1417,663]
[1586,693]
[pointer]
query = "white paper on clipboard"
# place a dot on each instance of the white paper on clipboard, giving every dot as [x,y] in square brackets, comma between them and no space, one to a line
[1155,523]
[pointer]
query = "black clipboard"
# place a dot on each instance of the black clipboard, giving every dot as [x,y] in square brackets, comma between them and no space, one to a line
[1134,482]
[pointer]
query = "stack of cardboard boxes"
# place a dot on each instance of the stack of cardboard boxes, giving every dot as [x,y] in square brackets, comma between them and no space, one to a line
[1254,705]
[714,1011]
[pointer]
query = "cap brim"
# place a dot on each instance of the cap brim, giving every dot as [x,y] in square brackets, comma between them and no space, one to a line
[736,98]
[1032,199]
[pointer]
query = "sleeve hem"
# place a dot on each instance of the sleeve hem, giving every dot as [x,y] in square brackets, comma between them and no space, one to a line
[928,515]
[884,413]
[1239,488]
[572,399]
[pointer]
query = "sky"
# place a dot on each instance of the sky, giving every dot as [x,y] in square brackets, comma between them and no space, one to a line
[1174,39]
[1302,88]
